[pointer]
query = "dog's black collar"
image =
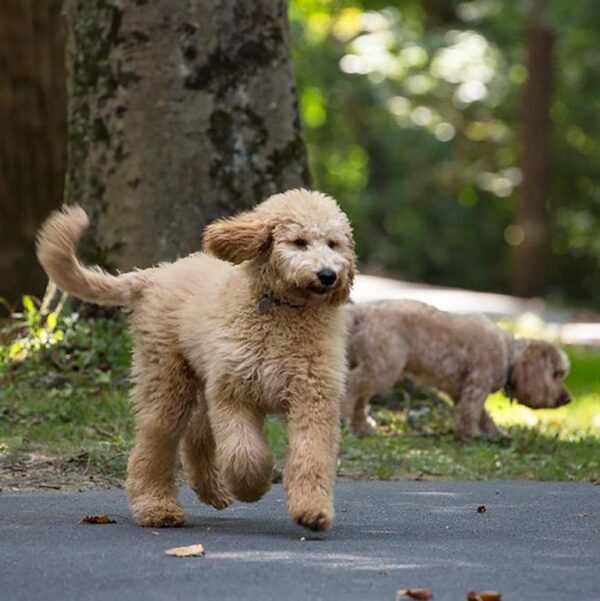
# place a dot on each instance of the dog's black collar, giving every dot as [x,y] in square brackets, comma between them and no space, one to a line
[509,390]
[509,382]
[268,301]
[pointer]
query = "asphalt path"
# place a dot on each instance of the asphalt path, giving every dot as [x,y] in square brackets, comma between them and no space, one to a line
[535,541]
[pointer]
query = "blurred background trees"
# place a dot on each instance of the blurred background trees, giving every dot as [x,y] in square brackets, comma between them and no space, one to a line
[460,136]
[32,134]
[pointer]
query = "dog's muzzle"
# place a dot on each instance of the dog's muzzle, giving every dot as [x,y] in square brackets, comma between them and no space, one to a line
[327,276]
[563,399]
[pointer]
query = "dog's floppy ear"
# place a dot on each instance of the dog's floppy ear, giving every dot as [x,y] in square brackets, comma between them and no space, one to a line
[529,372]
[237,239]
[343,293]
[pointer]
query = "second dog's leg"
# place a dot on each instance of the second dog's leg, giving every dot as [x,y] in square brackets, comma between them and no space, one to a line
[359,391]
[162,399]
[198,453]
[313,430]
[468,411]
[489,427]
[362,423]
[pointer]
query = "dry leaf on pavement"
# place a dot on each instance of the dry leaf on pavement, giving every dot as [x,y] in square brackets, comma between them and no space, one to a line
[97,519]
[191,551]
[414,593]
[490,596]
[484,596]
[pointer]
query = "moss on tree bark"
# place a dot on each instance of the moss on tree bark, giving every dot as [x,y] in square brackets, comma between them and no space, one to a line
[179,112]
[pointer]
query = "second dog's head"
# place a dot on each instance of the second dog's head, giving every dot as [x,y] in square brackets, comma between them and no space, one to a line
[538,374]
[300,242]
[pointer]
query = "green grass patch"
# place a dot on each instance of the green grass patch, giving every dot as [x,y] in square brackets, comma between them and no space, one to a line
[64,392]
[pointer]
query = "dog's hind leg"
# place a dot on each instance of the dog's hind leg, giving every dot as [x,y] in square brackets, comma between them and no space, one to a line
[359,392]
[243,455]
[376,373]
[163,397]
[198,454]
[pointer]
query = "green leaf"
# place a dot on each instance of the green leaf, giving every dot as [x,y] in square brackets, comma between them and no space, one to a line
[28,304]
[51,321]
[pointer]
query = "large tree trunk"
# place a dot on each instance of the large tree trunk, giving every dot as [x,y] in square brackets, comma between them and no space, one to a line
[32,135]
[179,112]
[530,258]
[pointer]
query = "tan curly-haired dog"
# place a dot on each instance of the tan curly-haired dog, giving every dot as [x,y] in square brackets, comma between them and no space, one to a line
[219,342]
[467,357]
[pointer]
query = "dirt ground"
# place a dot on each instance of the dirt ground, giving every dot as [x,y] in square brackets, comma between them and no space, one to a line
[30,471]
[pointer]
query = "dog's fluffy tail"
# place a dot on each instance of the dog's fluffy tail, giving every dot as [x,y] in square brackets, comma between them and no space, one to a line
[56,250]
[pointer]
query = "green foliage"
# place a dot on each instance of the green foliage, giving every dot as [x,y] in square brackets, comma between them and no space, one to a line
[65,397]
[97,346]
[36,331]
[412,114]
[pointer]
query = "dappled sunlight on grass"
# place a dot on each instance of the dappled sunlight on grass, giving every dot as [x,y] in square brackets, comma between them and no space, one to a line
[415,437]
[579,418]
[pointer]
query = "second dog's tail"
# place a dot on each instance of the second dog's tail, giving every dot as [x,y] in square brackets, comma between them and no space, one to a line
[56,250]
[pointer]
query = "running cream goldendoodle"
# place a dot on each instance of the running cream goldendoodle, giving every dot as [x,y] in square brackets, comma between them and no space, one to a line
[222,339]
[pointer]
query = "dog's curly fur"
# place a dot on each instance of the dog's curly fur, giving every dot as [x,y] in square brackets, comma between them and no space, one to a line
[467,357]
[220,341]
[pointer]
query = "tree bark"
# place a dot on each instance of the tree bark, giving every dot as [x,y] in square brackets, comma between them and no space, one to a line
[179,112]
[530,258]
[32,135]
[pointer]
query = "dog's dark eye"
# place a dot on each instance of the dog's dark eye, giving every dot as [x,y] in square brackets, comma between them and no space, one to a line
[300,242]
[331,244]
[558,374]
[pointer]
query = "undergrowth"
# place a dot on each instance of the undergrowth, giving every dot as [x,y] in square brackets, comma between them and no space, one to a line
[64,392]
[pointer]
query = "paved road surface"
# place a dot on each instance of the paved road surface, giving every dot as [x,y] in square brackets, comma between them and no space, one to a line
[535,542]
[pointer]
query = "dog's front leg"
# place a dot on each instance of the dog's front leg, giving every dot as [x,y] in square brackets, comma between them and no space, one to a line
[489,427]
[313,430]
[242,452]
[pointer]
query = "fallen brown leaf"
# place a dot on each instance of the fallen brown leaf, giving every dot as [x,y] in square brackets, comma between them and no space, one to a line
[490,596]
[481,509]
[97,519]
[414,593]
[484,596]
[191,551]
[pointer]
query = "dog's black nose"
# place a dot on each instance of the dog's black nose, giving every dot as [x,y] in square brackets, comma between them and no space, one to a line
[327,276]
[564,399]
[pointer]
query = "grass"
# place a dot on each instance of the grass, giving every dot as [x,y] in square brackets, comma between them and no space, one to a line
[63,393]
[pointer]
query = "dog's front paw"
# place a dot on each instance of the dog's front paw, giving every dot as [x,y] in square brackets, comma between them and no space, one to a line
[313,512]
[315,519]
[158,513]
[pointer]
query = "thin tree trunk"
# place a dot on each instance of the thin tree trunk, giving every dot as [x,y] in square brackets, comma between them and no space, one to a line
[179,112]
[32,135]
[530,258]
